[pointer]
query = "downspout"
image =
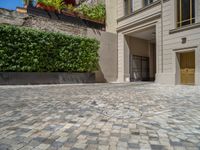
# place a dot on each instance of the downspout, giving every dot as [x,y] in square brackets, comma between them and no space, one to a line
[162,36]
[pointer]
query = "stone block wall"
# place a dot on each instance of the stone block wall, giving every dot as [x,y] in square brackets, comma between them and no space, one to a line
[40,23]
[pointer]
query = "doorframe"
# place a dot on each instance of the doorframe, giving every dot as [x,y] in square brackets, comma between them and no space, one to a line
[177,53]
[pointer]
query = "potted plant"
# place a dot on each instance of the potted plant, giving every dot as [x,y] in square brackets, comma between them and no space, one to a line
[56,5]
[70,10]
[50,5]
[95,13]
[41,4]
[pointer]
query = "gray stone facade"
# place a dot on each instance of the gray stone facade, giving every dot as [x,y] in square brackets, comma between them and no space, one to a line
[161,17]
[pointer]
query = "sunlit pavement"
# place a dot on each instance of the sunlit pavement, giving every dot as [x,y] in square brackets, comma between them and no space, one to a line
[100,116]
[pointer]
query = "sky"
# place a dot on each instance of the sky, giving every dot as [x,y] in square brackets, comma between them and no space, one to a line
[11,4]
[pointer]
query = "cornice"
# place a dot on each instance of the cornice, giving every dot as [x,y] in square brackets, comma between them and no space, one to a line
[140,21]
[141,10]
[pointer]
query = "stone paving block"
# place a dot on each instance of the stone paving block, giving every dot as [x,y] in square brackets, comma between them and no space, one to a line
[56,144]
[103,147]
[179,148]
[17,146]
[62,139]
[122,148]
[133,146]
[122,144]
[192,148]
[80,145]
[157,147]
[43,146]
[100,116]
[26,148]
[5,146]
[34,143]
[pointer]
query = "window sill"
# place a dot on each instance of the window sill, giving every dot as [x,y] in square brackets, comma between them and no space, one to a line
[185,28]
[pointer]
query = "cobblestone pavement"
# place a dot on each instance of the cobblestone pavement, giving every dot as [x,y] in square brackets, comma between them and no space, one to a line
[132,116]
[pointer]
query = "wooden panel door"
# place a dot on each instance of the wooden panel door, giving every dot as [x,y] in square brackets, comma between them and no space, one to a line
[187,64]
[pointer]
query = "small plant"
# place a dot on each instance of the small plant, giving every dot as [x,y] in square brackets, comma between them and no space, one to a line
[70,8]
[50,4]
[57,4]
[96,12]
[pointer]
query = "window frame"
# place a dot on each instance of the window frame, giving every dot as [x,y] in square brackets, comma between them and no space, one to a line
[129,7]
[148,1]
[179,18]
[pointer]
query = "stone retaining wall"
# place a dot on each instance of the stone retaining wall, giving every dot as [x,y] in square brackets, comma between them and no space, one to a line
[25,78]
[41,23]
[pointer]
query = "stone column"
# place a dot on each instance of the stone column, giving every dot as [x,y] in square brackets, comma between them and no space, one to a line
[120,57]
[123,59]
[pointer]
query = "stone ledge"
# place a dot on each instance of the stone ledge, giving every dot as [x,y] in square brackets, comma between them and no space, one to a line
[185,28]
[25,78]
[139,10]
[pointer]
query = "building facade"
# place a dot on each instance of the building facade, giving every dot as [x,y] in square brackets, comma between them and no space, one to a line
[159,40]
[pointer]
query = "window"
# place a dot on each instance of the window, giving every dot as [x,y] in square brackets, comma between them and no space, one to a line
[185,12]
[147,2]
[128,7]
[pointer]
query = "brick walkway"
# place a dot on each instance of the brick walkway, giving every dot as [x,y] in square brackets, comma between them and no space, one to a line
[133,116]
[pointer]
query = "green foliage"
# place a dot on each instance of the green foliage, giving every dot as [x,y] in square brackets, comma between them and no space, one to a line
[93,12]
[70,8]
[96,12]
[28,50]
[57,4]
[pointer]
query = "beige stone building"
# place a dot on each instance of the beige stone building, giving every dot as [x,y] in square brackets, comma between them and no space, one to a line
[157,40]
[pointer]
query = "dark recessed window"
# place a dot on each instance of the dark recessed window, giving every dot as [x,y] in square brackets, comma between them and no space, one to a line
[128,6]
[185,12]
[147,2]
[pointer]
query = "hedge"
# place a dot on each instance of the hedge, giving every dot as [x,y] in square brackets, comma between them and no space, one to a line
[27,50]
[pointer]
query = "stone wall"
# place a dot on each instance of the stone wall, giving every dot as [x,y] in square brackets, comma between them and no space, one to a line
[107,52]
[111,16]
[41,23]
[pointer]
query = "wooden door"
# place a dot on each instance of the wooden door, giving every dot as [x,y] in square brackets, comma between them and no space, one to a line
[187,68]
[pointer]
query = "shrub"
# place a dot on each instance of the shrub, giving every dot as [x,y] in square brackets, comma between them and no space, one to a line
[96,12]
[28,50]
[56,4]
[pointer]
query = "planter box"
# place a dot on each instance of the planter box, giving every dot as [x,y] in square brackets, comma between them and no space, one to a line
[25,78]
[65,17]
